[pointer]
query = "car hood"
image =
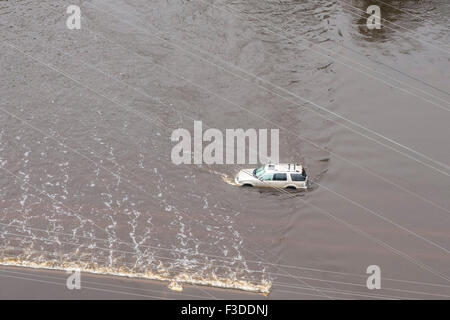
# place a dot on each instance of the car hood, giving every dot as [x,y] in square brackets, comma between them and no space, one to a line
[246,175]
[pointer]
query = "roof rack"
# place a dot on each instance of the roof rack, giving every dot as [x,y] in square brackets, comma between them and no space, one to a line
[289,167]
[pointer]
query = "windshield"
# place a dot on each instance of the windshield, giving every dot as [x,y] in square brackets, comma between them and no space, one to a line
[259,172]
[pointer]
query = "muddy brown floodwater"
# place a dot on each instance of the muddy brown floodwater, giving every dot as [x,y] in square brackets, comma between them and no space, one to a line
[86,179]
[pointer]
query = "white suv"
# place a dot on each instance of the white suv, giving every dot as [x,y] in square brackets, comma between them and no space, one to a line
[283,175]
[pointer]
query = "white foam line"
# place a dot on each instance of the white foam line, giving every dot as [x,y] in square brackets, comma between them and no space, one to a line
[220,259]
[282,284]
[357,293]
[184,277]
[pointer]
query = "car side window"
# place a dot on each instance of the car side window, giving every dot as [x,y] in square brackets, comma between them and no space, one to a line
[280,177]
[297,177]
[267,177]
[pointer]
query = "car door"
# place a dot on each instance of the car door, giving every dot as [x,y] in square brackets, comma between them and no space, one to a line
[266,180]
[279,180]
[298,179]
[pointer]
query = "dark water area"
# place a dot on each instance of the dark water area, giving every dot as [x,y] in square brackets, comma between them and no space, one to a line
[86,116]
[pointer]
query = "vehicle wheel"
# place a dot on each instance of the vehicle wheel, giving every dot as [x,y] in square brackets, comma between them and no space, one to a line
[247,185]
[291,188]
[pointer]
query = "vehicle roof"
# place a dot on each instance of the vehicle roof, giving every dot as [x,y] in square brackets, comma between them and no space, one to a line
[284,167]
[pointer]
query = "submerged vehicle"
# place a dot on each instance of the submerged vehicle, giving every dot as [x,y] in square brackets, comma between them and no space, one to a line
[283,175]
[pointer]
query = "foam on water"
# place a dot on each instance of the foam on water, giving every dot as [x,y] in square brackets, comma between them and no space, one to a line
[174,283]
[129,211]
